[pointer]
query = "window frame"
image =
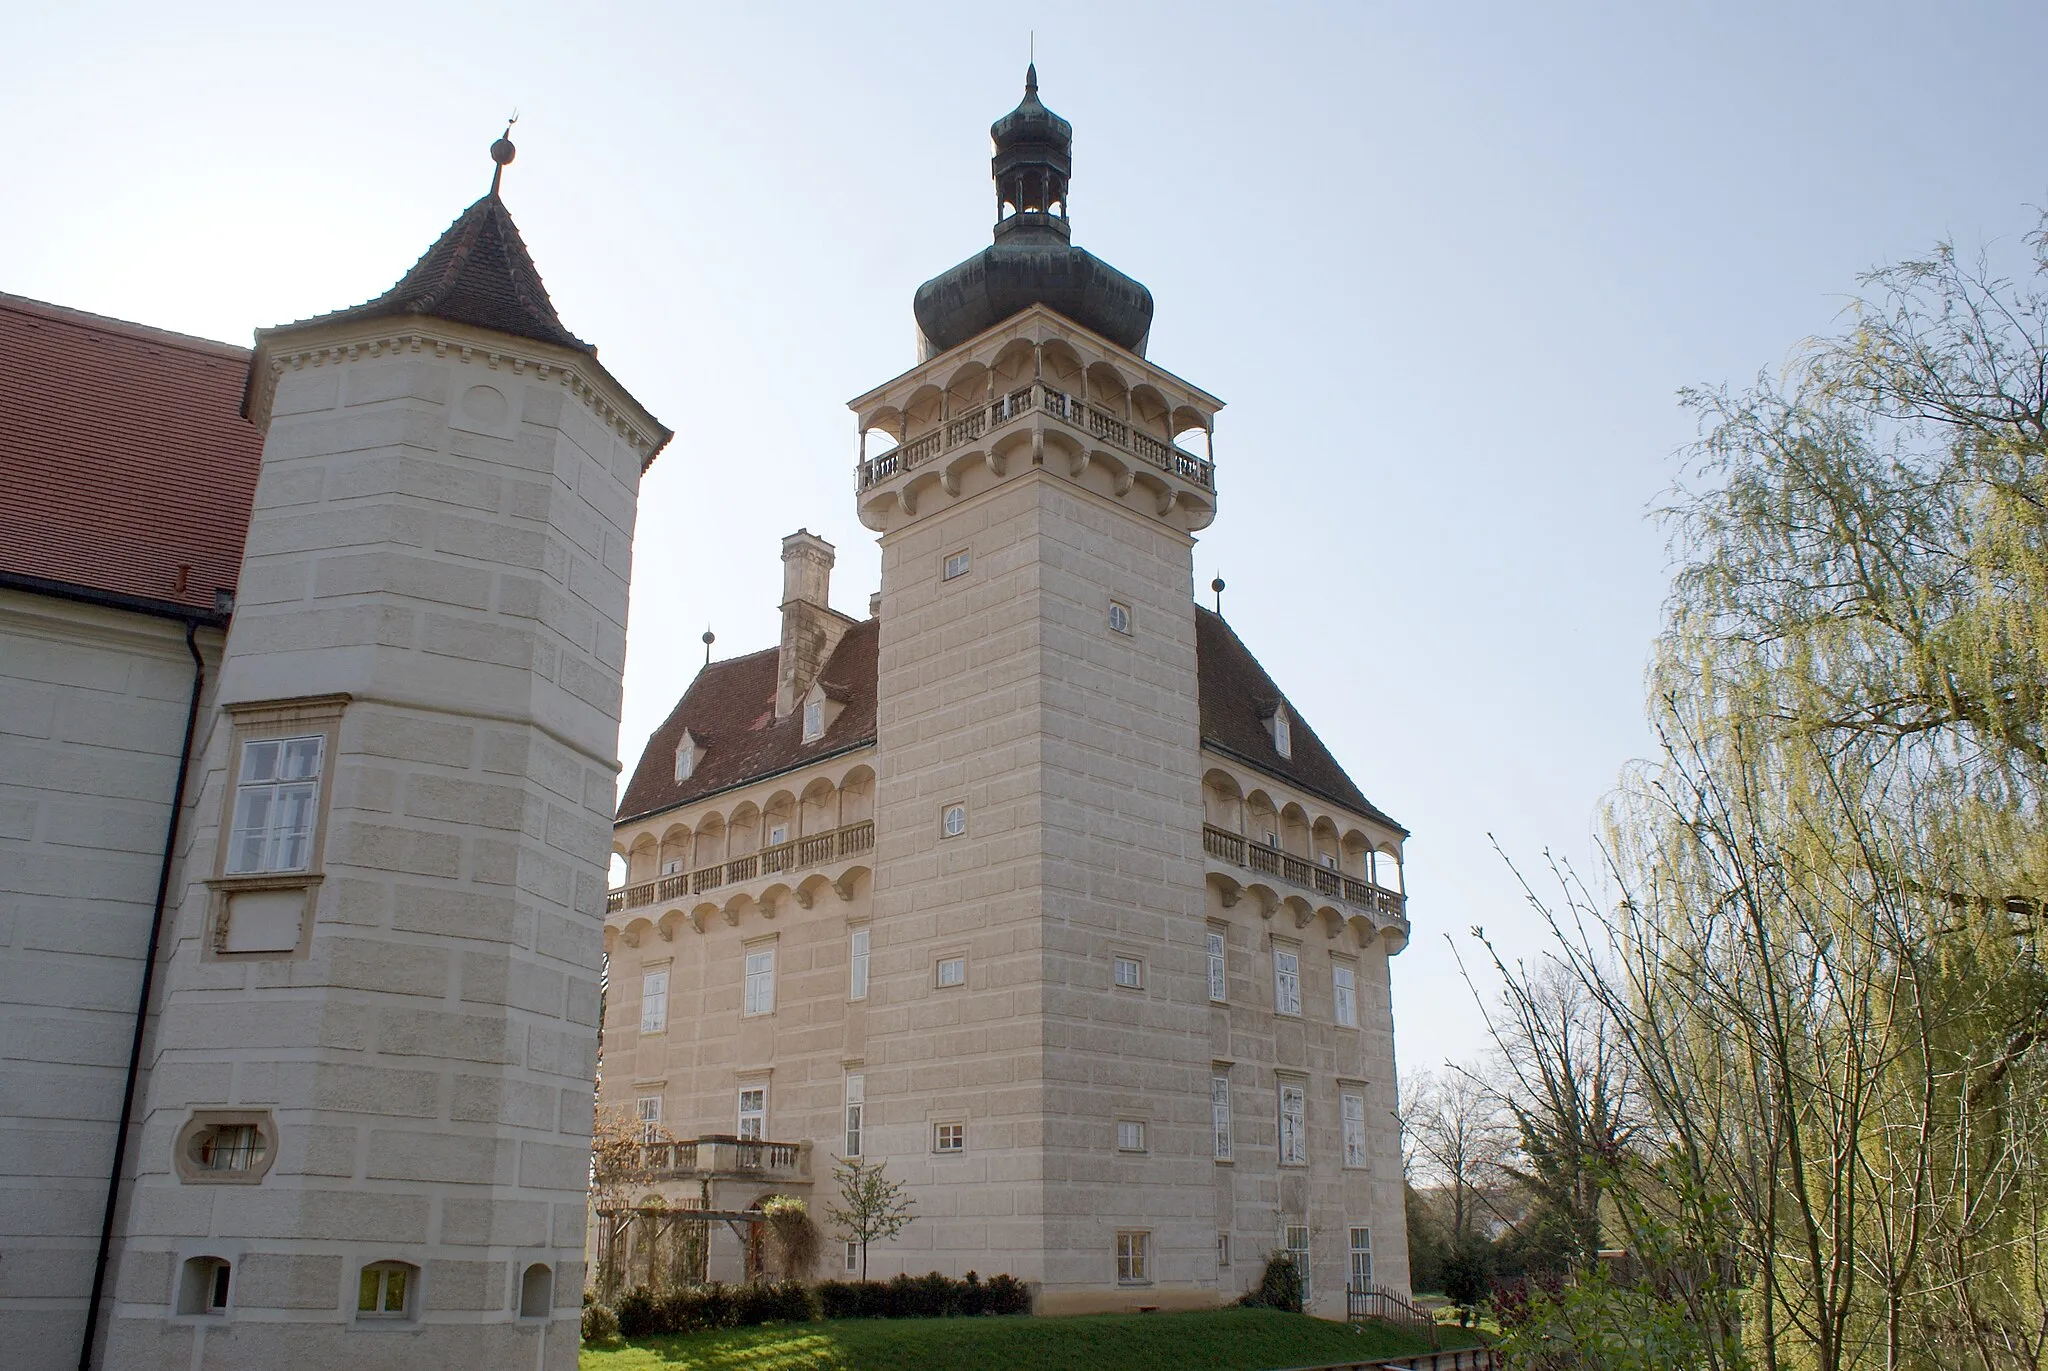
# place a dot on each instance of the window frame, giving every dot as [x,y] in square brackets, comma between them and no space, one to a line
[1344,994]
[946,813]
[948,571]
[380,1311]
[1120,960]
[859,947]
[1303,1257]
[855,1112]
[1287,983]
[185,1147]
[758,1115]
[651,997]
[814,719]
[1218,947]
[649,1122]
[1355,1250]
[1134,1141]
[260,722]
[945,1144]
[1128,627]
[1356,1158]
[939,966]
[1134,1256]
[752,979]
[1222,1251]
[1221,1126]
[1295,1154]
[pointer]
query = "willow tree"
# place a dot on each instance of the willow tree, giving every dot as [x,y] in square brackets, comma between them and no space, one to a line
[1824,961]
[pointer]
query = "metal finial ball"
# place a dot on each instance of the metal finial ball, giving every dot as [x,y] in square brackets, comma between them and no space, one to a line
[1217,585]
[502,151]
[709,637]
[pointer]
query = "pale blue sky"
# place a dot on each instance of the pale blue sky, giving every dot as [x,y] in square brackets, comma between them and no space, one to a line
[1448,263]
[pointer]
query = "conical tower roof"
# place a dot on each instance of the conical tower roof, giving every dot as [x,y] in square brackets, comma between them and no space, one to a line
[478,272]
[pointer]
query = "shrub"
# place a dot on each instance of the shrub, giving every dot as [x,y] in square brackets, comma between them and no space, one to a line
[638,1314]
[931,1296]
[599,1323]
[1279,1286]
[1005,1294]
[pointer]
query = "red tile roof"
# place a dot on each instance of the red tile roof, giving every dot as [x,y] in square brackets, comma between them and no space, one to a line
[126,467]
[730,710]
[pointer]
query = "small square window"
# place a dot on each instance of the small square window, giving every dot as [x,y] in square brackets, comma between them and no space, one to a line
[1133,1254]
[949,1137]
[953,822]
[1130,973]
[952,971]
[203,1286]
[1130,1135]
[1119,617]
[956,564]
[385,1290]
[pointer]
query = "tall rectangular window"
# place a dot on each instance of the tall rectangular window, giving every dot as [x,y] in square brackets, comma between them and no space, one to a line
[760,997]
[654,1002]
[1361,1258]
[1286,982]
[1354,1128]
[857,965]
[856,1100]
[1219,981]
[1293,1124]
[754,1111]
[277,797]
[1297,1248]
[1223,1251]
[1219,1114]
[1133,1258]
[649,1109]
[1344,981]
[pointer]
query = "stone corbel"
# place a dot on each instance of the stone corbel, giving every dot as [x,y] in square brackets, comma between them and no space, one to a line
[1124,482]
[731,915]
[998,465]
[697,920]
[802,896]
[908,498]
[1166,501]
[1304,917]
[1269,903]
[1078,464]
[630,938]
[949,480]
[1230,893]
[767,908]
[844,885]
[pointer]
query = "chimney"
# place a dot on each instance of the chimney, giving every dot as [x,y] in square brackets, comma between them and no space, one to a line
[810,630]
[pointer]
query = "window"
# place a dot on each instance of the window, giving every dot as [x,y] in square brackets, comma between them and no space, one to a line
[1119,617]
[857,965]
[952,971]
[385,1291]
[1361,1258]
[537,1292]
[225,1147]
[1133,1258]
[852,1258]
[686,759]
[778,834]
[949,1137]
[956,565]
[1223,1251]
[856,1098]
[648,1108]
[1130,1135]
[1286,982]
[953,822]
[1130,973]
[1283,733]
[1293,1125]
[203,1286]
[277,797]
[760,996]
[1219,981]
[1354,1128]
[672,866]
[814,720]
[754,1111]
[654,1002]
[1219,1114]
[1297,1248]
[1344,988]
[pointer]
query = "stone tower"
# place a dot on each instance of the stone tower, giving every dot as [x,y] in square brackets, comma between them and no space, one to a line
[1039,809]
[367,1129]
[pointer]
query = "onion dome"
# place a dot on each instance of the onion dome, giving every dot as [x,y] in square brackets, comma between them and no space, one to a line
[1033,260]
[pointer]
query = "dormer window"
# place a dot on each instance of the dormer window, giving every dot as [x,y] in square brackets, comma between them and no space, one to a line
[1283,736]
[687,753]
[814,719]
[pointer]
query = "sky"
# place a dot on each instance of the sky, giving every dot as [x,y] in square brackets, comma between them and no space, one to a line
[1449,264]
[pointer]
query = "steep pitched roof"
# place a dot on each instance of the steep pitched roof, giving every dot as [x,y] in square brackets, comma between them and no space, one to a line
[1238,696]
[126,467]
[730,710]
[478,272]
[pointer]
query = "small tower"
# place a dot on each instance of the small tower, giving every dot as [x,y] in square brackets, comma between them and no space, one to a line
[366,1142]
[1042,810]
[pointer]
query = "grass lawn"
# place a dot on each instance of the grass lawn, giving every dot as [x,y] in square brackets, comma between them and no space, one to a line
[1225,1340]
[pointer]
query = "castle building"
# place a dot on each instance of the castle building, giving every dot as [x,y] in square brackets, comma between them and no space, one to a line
[1031,885]
[310,662]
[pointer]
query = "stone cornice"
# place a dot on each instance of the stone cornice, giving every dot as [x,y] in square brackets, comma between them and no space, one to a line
[295,348]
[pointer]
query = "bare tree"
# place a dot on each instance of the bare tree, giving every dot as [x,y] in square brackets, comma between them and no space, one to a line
[1457,1138]
[871,1208]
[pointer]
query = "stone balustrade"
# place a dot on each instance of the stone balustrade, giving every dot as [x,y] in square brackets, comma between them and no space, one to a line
[798,854]
[1037,398]
[1236,850]
[720,1155]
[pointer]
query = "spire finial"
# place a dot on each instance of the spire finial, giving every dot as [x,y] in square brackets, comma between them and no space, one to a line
[1217,586]
[709,639]
[1031,66]
[502,152]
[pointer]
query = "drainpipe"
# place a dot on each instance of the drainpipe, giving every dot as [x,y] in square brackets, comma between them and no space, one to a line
[156,928]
